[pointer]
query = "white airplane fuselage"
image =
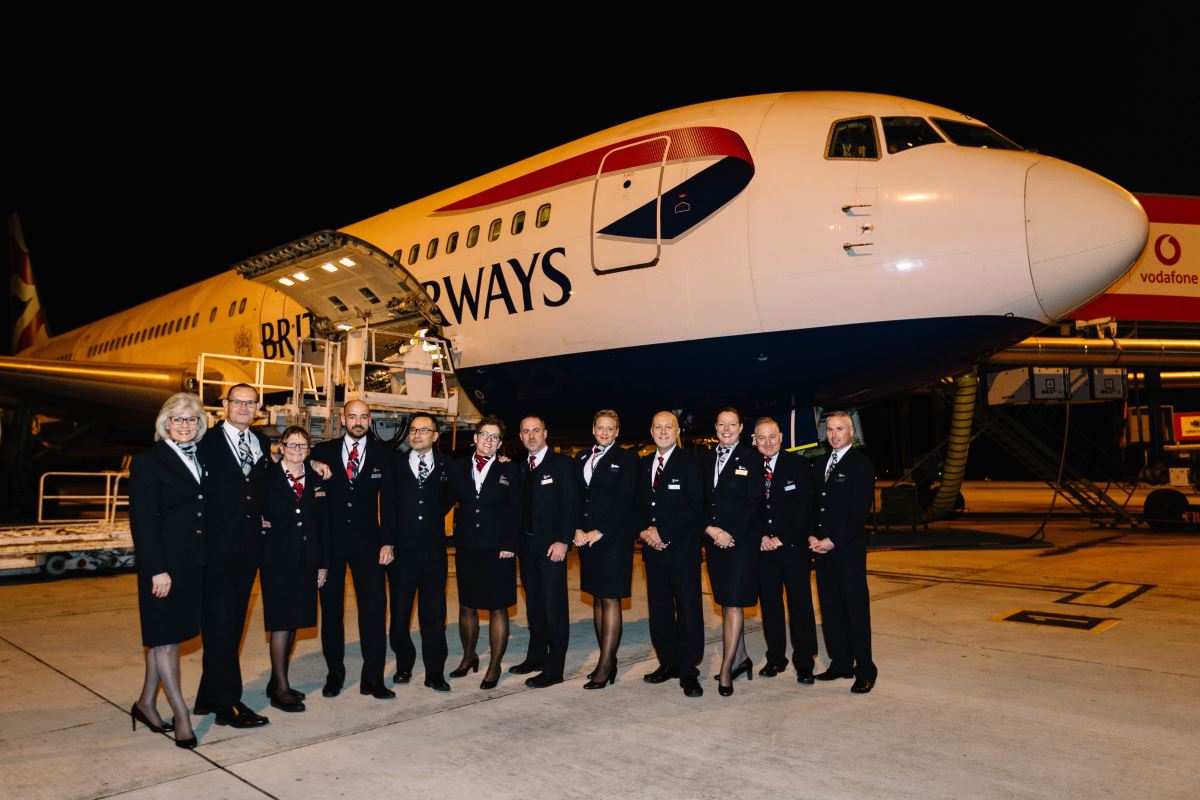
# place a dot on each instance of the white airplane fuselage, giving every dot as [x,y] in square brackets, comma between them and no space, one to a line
[723,253]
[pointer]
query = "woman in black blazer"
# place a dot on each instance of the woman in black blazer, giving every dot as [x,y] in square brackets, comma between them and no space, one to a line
[607,527]
[166,517]
[295,557]
[486,526]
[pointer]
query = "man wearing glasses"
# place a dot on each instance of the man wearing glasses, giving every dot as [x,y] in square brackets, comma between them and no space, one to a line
[235,457]
[413,508]
[361,468]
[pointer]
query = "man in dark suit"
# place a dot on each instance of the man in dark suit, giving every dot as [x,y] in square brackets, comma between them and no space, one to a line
[786,561]
[360,467]
[414,509]
[236,458]
[670,507]
[550,515]
[845,492]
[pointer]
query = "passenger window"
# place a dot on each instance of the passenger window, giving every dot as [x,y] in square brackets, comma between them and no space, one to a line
[212,315]
[543,216]
[853,138]
[187,323]
[242,307]
[431,251]
[905,133]
[451,243]
[399,255]
[473,236]
[494,230]
[518,223]
[232,307]
[170,327]
[413,253]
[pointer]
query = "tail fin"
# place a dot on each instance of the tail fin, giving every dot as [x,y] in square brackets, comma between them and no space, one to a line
[29,324]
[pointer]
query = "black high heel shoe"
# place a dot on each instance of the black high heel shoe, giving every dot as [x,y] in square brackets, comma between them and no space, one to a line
[465,667]
[746,667]
[187,744]
[485,684]
[270,690]
[136,716]
[595,684]
[723,690]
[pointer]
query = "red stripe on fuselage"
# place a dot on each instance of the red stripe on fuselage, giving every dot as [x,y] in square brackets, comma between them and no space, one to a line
[696,142]
[1150,307]
[1171,209]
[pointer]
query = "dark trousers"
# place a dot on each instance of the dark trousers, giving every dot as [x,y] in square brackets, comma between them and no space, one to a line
[546,607]
[676,617]
[372,609]
[846,613]
[228,581]
[788,569]
[419,570]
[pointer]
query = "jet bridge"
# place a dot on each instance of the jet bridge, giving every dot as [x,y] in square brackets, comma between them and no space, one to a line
[375,339]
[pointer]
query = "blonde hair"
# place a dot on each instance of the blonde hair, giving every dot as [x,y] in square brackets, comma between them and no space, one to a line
[179,405]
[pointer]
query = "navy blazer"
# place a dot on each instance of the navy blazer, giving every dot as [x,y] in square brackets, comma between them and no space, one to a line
[232,502]
[354,504]
[166,511]
[491,518]
[609,503]
[735,503]
[551,495]
[299,533]
[414,515]
[675,508]
[843,503]
[787,513]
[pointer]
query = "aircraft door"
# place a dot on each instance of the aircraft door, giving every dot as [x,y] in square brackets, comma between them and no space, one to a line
[626,230]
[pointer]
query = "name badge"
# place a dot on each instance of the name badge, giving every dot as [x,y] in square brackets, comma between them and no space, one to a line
[319,493]
[503,481]
[547,480]
[741,471]
[674,486]
[791,487]
[376,475]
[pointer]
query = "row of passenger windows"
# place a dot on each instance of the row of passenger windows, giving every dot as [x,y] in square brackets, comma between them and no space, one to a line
[856,138]
[494,230]
[163,329]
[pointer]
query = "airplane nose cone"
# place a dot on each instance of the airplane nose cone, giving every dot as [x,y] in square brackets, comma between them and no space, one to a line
[1083,232]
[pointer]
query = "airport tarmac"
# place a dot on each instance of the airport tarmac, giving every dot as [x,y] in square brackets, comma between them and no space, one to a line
[1008,668]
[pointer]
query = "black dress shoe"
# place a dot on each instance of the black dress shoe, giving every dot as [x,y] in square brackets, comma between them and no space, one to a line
[402,676]
[770,670]
[524,668]
[805,678]
[136,716]
[543,680]
[377,690]
[661,675]
[471,665]
[270,690]
[437,683]
[240,716]
[287,701]
[334,682]
[833,675]
[691,686]
[862,685]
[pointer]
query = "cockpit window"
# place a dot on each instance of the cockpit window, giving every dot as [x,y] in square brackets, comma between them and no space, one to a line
[968,135]
[853,138]
[905,133]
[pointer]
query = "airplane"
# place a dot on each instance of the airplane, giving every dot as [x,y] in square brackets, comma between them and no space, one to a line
[770,252]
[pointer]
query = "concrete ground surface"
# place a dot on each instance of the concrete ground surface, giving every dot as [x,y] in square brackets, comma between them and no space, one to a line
[969,703]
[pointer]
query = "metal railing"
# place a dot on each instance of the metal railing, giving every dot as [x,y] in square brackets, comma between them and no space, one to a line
[111,498]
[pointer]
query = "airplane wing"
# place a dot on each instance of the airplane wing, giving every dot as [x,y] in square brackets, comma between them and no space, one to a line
[137,387]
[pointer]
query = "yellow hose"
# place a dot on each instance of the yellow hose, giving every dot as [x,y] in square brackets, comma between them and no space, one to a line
[954,470]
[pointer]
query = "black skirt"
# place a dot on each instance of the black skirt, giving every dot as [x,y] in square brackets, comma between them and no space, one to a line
[733,573]
[176,617]
[289,597]
[606,568]
[484,579]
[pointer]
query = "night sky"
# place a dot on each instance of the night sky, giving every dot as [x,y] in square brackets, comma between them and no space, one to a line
[140,171]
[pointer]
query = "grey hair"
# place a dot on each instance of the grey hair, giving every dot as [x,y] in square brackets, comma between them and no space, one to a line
[180,404]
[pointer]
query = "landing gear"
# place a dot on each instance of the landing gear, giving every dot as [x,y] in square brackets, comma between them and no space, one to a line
[1165,510]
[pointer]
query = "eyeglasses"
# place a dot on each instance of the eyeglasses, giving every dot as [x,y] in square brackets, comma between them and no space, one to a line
[422,430]
[296,446]
[244,403]
[488,436]
[184,420]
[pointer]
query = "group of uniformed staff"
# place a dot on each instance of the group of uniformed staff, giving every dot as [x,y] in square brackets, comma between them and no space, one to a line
[210,512]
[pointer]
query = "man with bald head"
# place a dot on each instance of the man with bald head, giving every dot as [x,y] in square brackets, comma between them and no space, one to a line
[361,466]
